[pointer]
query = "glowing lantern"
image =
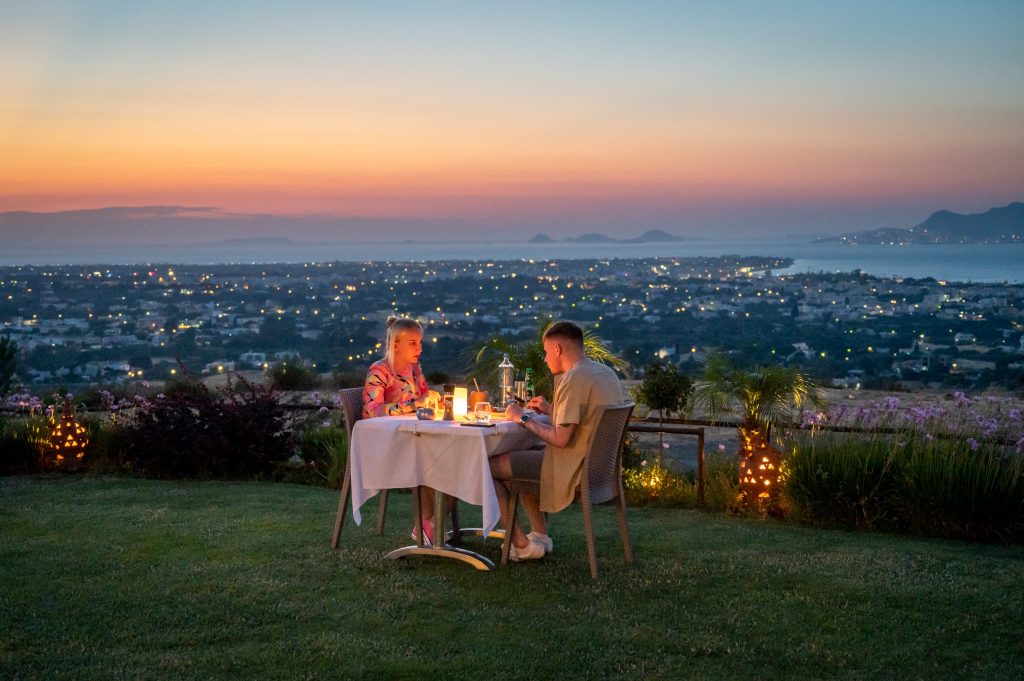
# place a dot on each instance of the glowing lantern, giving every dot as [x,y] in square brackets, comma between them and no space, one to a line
[460,396]
[759,465]
[68,437]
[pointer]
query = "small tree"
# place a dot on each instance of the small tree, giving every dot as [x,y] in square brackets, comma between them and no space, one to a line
[8,364]
[666,390]
[761,397]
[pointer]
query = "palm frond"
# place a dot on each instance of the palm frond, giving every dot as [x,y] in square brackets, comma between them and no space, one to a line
[764,396]
[595,348]
[530,354]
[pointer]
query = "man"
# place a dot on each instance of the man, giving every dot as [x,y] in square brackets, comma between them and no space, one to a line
[582,387]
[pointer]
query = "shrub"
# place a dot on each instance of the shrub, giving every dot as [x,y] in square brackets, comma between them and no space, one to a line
[292,376]
[950,472]
[8,364]
[323,450]
[194,433]
[348,378]
[108,446]
[655,485]
[20,439]
[842,479]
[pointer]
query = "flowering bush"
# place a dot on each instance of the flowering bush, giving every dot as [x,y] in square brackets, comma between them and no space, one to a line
[946,470]
[192,432]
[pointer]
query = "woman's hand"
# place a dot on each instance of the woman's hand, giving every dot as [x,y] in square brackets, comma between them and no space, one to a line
[431,399]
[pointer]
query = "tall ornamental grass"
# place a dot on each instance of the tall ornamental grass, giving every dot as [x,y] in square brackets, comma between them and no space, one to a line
[944,470]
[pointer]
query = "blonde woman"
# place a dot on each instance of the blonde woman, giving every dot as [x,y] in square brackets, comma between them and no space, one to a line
[395,386]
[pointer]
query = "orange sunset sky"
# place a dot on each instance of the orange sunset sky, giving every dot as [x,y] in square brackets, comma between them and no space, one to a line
[477,118]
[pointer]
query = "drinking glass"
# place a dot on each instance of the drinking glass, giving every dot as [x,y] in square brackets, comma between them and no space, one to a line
[482,412]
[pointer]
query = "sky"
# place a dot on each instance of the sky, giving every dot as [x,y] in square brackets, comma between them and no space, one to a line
[488,119]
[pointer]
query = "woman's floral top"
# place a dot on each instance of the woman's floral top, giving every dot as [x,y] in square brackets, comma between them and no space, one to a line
[387,393]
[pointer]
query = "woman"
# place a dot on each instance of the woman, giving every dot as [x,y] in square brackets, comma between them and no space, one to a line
[395,386]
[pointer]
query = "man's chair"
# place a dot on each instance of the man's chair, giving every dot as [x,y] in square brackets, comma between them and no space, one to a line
[600,483]
[352,407]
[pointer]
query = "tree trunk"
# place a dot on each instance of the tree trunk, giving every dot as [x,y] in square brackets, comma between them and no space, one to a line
[661,438]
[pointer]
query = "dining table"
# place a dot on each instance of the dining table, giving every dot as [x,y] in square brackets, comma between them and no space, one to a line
[452,457]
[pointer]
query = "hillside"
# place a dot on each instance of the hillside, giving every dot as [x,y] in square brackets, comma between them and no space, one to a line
[1001,225]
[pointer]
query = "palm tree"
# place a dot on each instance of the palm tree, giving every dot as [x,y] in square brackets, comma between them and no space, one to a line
[530,355]
[761,397]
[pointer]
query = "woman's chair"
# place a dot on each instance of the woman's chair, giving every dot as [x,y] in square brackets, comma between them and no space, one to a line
[352,407]
[600,483]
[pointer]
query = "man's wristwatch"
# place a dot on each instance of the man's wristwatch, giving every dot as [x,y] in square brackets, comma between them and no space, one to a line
[524,418]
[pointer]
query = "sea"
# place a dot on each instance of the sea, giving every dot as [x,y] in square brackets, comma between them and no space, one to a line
[979,263]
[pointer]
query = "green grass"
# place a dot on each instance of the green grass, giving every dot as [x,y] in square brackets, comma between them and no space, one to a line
[119,578]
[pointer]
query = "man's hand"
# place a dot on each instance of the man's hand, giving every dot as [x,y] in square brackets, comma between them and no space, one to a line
[539,405]
[513,412]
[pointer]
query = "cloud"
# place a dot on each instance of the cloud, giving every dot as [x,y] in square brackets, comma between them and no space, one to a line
[176,225]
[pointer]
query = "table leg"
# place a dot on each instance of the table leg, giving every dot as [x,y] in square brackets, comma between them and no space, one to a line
[440,548]
[479,532]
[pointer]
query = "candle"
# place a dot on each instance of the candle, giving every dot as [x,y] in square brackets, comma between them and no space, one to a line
[461,396]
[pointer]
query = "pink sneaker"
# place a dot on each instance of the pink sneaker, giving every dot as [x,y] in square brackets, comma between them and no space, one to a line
[428,532]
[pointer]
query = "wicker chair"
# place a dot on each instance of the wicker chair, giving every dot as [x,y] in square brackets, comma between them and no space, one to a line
[352,406]
[600,483]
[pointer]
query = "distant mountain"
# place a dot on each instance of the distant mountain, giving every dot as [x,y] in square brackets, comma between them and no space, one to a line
[1003,225]
[591,239]
[651,236]
[257,241]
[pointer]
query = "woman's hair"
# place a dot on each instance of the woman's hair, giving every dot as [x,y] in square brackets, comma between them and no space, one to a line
[397,326]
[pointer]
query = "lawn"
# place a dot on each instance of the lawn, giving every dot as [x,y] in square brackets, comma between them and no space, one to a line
[120,578]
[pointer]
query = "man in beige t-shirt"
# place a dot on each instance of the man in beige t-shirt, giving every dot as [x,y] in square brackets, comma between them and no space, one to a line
[582,387]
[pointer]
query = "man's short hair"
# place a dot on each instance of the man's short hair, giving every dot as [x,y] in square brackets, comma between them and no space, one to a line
[565,329]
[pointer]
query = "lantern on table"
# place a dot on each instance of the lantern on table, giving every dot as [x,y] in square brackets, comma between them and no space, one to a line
[460,399]
[507,375]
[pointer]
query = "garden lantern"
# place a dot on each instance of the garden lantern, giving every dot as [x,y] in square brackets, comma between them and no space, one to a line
[762,398]
[68,437]
[759,465]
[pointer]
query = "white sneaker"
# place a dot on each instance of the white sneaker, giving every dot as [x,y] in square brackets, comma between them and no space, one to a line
[532,551]
[544,540]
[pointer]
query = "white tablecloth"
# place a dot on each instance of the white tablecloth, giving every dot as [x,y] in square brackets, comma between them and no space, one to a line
[392,452]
